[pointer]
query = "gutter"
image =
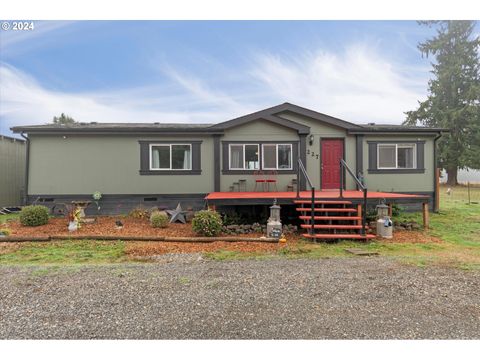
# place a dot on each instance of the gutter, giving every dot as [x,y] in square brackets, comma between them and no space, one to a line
[435,205]
[27,166]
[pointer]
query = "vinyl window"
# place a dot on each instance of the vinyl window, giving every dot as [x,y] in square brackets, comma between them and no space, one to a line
[396,156]
[277,156]
[170,157]
[243,157]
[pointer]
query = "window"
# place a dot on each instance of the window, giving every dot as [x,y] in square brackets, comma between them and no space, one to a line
[396,156]
[244,157]
[170,156]
[277,156]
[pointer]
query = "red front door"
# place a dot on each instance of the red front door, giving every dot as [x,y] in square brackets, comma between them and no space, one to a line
[332,152]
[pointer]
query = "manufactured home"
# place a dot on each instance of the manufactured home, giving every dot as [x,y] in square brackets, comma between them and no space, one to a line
[274,154]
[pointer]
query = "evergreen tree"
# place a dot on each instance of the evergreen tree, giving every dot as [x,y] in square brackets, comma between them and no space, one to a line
[63,119]
[454,95]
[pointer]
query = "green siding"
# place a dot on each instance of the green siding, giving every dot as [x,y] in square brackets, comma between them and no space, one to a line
[401,182]
[109,164]
[12,171]
[257,131]
[320,130]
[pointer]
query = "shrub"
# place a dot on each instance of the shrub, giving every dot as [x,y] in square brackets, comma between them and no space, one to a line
[159,219]
[138,213]
[34,215]
[207,223]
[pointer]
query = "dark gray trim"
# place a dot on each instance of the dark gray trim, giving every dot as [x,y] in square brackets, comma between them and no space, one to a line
[423,131]
[396,142]
[216,163]
[274,113]
[396,171]
[435,205]
[27,168]
[359,154]
[320,156]
[126,129]
[227,171]
[303,156]
[300,128]
[372,157]
[170,172]
[145,158]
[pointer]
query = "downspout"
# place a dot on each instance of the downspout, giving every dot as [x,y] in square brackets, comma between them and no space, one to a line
[435,170]
[27,166]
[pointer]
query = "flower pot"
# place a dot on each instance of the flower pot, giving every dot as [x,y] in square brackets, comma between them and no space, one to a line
[72,226]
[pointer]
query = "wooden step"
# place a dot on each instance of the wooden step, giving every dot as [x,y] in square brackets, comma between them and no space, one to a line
[333,226]
[327,209]
[306,217]
[329,202]
[339,236]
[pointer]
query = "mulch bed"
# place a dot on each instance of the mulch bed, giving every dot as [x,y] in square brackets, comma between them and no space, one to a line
[411,237]
[105,226]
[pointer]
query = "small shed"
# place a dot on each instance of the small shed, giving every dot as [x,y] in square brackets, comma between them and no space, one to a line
[12,170]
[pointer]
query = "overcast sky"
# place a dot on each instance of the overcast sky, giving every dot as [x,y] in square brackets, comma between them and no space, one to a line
[209,71]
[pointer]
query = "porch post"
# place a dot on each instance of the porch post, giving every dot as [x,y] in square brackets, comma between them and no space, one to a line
[302,183]
[216,162]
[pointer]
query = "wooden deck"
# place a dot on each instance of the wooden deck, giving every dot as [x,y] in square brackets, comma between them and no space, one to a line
[287,197]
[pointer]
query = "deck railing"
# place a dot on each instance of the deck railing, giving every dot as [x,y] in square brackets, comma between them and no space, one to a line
[361,186]
[302,171]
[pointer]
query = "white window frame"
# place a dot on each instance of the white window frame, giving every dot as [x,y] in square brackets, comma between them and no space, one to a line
[243,146]
[170,168]
[276,157]
[397,146]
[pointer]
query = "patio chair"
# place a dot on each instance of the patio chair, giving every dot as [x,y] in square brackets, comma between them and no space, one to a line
[271,178]
[259,179]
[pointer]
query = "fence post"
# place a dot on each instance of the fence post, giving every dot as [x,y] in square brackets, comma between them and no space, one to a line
[437,190]
[468,189]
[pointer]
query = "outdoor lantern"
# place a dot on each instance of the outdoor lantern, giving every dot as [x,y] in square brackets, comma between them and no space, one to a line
[382,211]
[274,212]
[310,139]
[274,226]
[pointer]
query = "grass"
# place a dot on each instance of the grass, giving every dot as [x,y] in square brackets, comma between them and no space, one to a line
[66,252]
[4,218]
[457,225]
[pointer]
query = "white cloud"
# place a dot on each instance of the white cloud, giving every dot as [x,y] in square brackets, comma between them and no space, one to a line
[24,101]
[358,85]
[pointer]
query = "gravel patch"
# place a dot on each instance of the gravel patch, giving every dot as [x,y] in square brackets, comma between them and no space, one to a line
[186,297]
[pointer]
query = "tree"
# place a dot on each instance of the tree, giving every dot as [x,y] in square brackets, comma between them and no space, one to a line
[454,95]
[63,119]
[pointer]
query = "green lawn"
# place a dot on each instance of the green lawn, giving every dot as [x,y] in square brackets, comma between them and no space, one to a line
[457,225]
[66,252]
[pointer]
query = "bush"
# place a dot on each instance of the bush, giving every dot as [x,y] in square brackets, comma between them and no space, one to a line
[207,223]
[159,219]
[34,215]
[139,213]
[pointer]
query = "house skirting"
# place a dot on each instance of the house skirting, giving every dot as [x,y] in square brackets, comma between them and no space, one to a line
[113,204]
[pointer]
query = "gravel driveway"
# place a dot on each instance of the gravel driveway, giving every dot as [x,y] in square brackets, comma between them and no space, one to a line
[185,297]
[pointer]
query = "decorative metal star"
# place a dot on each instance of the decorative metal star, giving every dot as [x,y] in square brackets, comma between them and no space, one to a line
[177,214]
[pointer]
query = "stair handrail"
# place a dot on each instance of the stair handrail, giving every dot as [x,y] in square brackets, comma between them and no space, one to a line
[302,171]
[343,166]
